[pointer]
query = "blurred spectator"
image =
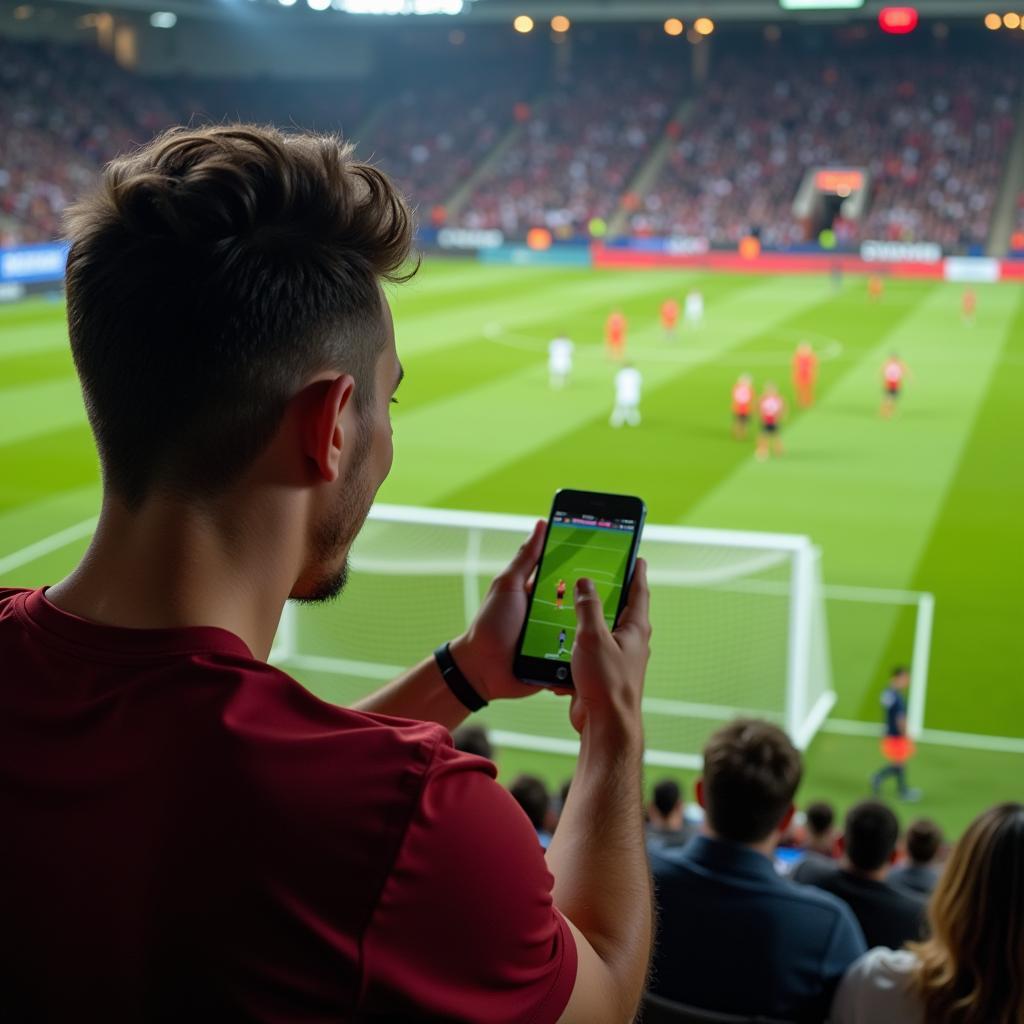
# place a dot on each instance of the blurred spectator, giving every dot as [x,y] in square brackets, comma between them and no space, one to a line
[819,853]
[888,916]
[665,823]
[532,795]
[919,874]
[971,970]
[473,739]
[724,909]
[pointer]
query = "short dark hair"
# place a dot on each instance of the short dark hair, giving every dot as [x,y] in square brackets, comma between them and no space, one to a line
[898,670]
[870,834]
[751,773]
[666,796]
[923,840]
[209,275]
[532,795]
[473,739]
[820,816]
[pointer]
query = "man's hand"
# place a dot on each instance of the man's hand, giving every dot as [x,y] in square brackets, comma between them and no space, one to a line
[608,668]
[484,653]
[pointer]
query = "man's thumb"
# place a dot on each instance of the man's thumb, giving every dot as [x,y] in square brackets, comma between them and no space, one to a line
[589,612]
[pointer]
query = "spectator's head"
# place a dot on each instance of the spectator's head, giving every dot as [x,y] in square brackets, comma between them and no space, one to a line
[229,328]
[899,677]
[869,839]
[532,795]
[923,839]
[666,807]
[751,773]
[473,739]
[972,968]
[820,818]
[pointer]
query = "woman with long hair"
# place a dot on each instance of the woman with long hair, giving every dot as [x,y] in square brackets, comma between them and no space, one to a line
[971,970]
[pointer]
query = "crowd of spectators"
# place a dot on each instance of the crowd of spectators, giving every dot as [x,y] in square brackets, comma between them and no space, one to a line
[579,148]
[431,139]
[932,133]
[65,112]
[857,925]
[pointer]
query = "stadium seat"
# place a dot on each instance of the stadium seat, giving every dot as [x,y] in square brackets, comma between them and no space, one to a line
[663,1011]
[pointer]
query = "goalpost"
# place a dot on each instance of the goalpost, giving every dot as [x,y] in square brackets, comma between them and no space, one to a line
[738,617]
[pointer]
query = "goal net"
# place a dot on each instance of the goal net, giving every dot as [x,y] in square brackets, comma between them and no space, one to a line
[738,618]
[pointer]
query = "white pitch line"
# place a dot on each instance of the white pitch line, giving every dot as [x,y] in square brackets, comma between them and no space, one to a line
[54,542]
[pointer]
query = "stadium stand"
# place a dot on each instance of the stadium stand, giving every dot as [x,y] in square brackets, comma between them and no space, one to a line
[66,111]
[934,136]
[580,147]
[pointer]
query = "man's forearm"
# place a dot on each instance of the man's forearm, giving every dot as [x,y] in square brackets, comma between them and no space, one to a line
[599,859]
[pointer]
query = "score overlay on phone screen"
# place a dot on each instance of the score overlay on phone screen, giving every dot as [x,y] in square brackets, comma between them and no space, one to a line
[578,546]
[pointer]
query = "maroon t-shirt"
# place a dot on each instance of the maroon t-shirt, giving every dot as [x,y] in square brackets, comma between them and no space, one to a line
[187,834]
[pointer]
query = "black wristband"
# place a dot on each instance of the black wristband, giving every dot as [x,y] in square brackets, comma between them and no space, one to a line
[457,682]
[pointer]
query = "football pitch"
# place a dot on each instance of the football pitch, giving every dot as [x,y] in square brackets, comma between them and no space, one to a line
[930,500]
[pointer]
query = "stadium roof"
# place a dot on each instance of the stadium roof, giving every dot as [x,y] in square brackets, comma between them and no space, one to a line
[483,11]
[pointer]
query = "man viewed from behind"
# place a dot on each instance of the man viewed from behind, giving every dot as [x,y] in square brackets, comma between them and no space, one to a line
[888,916]
[819,853]
[919,874]
[188,833]
[666,825]
[734,937]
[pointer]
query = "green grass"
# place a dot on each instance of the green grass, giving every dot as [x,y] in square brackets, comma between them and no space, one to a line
[927,501]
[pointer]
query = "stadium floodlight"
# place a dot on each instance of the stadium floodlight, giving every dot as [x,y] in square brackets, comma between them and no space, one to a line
[163,19]
[319,5]
[1011,19]
[286,3]
[820,5]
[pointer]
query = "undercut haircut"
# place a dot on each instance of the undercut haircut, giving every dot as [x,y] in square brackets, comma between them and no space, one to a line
[210,275]
[751,774]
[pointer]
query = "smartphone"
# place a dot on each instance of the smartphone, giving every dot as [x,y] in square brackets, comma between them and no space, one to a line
[589,534]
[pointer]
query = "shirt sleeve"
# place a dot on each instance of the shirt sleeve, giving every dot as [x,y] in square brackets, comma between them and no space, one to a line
[465,928]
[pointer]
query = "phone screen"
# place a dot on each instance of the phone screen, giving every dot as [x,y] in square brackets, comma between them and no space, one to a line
[589,535]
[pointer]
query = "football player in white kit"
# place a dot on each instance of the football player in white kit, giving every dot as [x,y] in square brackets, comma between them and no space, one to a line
[560,351]
[628,383]
[694,309]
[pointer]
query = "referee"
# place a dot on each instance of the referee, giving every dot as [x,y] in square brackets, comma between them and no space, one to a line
[896,745]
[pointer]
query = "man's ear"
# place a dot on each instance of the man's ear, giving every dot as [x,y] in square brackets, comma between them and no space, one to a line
[322,429]
[894,856]
[699,790]
[840,845]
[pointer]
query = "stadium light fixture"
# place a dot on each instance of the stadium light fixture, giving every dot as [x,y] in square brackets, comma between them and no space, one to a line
[560,23]
[319,5]
[703,26]
[286,3]
[1011,19]
[163,19]
[673,27]
[993,22]
[523,23]
[898,21]
[820,5]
